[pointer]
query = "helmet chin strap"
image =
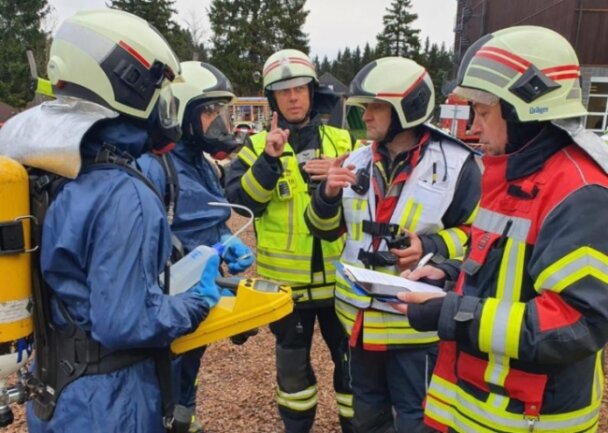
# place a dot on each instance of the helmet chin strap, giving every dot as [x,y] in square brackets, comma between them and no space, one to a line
[393,129]
[518,133]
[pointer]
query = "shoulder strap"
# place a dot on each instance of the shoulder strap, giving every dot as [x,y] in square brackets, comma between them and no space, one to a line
[171,193]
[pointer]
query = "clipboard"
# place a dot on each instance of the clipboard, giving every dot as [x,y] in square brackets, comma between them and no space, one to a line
[384,286]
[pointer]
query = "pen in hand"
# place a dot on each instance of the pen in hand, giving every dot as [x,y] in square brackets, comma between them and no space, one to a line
[424,260]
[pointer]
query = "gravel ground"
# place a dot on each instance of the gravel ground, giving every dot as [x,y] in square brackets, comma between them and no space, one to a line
[237,388]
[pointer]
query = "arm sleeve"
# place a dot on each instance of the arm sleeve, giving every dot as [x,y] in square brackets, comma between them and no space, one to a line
[127,253]
[251,179]
[568,320]
[324,217]
[451,241]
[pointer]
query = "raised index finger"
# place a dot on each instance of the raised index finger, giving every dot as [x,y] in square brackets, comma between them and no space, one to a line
[274,122]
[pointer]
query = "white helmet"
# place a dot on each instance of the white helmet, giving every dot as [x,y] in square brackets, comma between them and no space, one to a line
[401,82]
[118,60]
[204,88]
[288,68]
[533,69]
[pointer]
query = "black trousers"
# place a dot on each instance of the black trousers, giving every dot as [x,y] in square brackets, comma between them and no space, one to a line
[297,393]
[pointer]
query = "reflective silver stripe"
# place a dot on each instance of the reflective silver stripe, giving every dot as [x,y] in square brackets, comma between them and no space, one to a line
[414,209]
[284,269]
[558,278]
[248,156]
[489,76]
[494,66]
[321,223]
[318,293]
[494,222]
[269,253]
[343,293]
[253,188]
[511,269]
[477,410]
[497,369]
[290,222]
[456,248]
[95,44]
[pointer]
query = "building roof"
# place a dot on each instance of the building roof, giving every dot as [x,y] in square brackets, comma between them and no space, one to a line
[327,79]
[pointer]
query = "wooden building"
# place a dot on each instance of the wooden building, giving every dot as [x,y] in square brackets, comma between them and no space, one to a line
[583,22]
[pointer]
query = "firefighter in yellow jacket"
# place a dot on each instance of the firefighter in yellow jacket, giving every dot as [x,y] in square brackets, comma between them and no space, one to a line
[274,175]
[524,331]
[409,194]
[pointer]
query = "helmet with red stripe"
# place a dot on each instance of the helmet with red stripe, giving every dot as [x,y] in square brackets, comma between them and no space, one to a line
[533,69]
[118,60]
[402,83]
[288,68]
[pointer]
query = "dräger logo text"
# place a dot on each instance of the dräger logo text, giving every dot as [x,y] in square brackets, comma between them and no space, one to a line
[538,110]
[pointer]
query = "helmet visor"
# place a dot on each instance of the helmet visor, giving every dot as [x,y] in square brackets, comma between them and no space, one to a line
[167,108]
[221,124]
[476,95]
[288,84]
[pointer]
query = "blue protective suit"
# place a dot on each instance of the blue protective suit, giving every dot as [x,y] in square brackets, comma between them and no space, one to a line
[195,223]
[105,241]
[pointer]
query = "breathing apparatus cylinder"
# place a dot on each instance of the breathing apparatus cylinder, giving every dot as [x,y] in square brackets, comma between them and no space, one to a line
[16,325]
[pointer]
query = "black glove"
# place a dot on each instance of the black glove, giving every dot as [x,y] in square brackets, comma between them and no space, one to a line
[241,338]
[425,316]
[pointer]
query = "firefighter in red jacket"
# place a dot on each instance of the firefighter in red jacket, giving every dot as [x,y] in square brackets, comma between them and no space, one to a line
[523,332]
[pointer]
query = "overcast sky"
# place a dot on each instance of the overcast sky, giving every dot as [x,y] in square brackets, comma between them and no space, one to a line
[331,25]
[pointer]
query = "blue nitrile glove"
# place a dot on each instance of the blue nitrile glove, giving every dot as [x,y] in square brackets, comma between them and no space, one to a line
[237,255]
[207,288]
[227,293]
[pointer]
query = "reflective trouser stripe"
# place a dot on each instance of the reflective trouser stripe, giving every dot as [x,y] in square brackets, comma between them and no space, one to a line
[455,240]
[345,405]
[298,401]
[449,405]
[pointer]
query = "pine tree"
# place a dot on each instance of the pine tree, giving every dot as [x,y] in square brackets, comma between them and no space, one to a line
[245,33]
[20,30]
[398,37]
[160,14]
[438,62]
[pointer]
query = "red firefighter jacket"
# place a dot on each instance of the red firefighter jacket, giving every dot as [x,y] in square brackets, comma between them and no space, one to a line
[522,337]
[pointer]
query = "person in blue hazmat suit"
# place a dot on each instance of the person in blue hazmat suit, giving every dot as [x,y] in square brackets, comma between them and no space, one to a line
[203,96]
[105,237]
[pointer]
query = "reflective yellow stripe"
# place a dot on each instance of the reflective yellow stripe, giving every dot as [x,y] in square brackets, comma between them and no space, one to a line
[321,223]
[298,401]
[598,378]
[473,215]
[248,156]
[455,239]
[452,406]
[313,294]
[411,215]
[485,325]
[500,327]
[359,207]
[345,405]
[510,275]
[253,188]
[580,263]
